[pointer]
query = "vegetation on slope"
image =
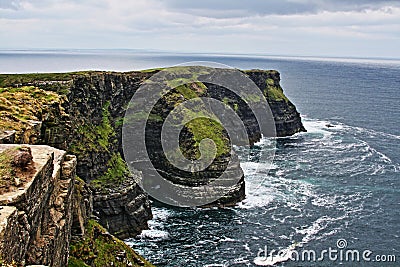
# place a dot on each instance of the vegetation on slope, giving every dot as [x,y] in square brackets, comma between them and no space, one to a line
[12,80]
[94,137]
[7,170]
[275,92]
[116,172]
[20,105]
[98,248]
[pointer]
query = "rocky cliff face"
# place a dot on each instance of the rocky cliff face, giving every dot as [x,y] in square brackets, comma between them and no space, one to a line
[287,119]
[45,214]
[96,104]
[287,122]
[35,212]
[82,118]
[83,114]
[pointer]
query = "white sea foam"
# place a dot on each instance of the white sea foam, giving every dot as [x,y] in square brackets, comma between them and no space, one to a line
[227,239]
[372,133]
[361,150]
[257,195]
[326,201]
[161,213]
[154,234]
[312,232]
[318,127]
[251,168]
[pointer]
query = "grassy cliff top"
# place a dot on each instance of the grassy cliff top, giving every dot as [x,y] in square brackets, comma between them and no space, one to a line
[20,105]
[11,80]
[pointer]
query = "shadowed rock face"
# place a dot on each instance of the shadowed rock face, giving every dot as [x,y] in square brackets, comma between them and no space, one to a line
[287,119]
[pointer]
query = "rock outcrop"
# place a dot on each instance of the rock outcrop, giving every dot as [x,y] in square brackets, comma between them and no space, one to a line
[46,220]
[125,211]
[35,218]
[287,119]
[287,122]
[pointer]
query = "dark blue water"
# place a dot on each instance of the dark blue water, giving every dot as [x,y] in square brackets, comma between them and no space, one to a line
[331,183]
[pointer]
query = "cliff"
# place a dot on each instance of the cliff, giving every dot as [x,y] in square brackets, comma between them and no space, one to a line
[81,118]
[43,206]
[287,118]
[35,207]
[82,114]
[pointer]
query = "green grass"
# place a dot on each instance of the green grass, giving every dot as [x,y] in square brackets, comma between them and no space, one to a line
[186,91]
[74,262]
[18,105]
[104,131]
[152,70]
[7,80]
[94,137]
[270,82]
[139,116]
[190,81]
[97,248]
[203,128]
[116,172]
[276,94]
[56,82]
[253,98]
[6,169]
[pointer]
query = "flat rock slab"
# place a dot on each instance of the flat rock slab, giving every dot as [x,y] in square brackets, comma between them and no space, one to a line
[41,156]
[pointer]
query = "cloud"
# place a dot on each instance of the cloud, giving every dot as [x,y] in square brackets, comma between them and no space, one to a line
[238,8]
[9,4]
[273,26]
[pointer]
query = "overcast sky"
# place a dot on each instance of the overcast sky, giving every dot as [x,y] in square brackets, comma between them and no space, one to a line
[358,28]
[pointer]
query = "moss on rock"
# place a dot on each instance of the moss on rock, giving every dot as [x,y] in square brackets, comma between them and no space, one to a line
[94,137]
[7,172]
[116,172]
[97,248]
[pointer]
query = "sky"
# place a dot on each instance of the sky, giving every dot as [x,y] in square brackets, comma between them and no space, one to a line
[339,28]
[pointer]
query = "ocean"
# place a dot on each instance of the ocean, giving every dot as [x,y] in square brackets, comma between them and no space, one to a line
[331,196]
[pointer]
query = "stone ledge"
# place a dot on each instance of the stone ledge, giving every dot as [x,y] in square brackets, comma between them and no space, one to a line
[7,137]
[36,218]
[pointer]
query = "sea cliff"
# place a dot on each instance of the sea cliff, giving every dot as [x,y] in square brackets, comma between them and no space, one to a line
[81,114]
